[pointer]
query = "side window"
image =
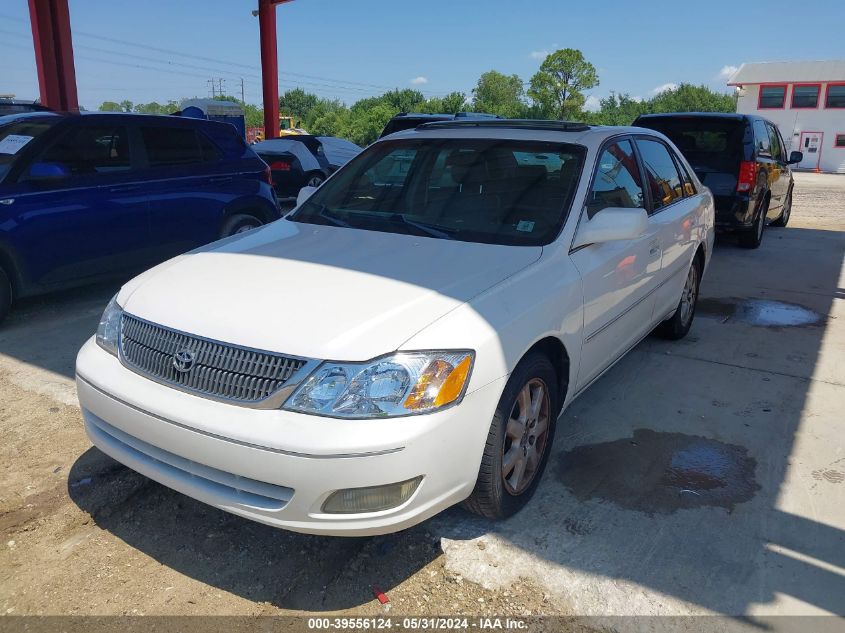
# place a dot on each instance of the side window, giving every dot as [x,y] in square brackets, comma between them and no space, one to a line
[761,139]
[169,146]
[393,168]
[210,152]
[617,182]
[86,150]
[774,140]
[689,187]
[664,181]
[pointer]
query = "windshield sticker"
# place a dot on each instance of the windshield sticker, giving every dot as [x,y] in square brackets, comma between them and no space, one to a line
[526,226]
[13,143]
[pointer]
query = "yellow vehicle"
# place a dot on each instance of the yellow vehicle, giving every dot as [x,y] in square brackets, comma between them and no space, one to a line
[287,127]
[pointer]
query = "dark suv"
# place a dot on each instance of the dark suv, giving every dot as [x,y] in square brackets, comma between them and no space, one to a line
[83,197]
[742,159]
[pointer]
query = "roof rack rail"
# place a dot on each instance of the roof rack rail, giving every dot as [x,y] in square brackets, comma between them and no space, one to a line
[520,124]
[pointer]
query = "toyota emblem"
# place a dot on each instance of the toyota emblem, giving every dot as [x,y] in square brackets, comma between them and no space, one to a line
[183,361]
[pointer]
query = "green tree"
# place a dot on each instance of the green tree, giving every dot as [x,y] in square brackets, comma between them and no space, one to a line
[450,104]
[500,94]
[297,103]
[618,110]
[690,98]
[557,88]
[110,106]
[126,106]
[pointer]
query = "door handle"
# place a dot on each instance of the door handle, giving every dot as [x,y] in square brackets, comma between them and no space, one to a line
[7,201]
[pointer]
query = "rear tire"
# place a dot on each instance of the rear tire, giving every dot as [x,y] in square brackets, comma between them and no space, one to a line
[315,180]
[678,325]
[5,294]
[519,441]
[783,220]
[754,237]
[240,223]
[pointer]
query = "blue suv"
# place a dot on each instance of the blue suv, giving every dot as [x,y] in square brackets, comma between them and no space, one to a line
[89,196]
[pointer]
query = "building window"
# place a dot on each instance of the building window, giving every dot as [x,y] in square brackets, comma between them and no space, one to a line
[839,141]
[805,95]
[835,96]
[772,97]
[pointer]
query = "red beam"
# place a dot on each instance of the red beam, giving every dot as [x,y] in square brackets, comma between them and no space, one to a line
[269,65]
[51,37]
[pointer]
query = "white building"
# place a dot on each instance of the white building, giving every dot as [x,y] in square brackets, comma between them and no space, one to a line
[807,102]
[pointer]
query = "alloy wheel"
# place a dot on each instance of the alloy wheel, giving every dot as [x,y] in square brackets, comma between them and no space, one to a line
[689,295]
[525,436]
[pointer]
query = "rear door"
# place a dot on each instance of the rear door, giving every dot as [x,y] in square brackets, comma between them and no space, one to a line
[188,187]
[780,174]
[91,222]
[673,209]
[619,278]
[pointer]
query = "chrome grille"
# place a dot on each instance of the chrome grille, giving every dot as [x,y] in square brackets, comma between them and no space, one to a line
[219,370]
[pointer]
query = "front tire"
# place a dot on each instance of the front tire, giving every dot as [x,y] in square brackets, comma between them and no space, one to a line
[5,294]
[678,325]
[315,180]
[239,223]
[519,441]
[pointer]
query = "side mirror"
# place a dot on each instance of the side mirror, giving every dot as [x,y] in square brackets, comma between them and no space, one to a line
[612,224]
[795,157]
[48,171]
[304,194]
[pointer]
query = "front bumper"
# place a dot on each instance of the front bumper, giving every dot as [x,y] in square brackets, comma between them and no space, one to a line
[278,467]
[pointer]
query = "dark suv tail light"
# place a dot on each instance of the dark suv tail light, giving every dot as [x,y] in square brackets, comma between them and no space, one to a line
[747,176]
[280,165]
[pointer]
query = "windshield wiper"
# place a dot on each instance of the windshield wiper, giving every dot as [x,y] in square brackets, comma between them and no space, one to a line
[434,230]
[333,219]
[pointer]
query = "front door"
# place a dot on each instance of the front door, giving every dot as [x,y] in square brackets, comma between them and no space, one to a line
[90,223]
[811,145]
[618,277]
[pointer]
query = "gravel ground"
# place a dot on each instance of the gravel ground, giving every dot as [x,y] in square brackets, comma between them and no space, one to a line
[84,535]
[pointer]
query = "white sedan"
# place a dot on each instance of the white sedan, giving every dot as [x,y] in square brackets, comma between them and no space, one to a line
[407,337]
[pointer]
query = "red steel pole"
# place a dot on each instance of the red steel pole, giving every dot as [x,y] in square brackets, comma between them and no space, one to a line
[51,37]
[269,66]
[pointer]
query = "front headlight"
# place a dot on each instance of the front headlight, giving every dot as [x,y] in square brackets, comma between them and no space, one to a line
[108,331]
[405,383]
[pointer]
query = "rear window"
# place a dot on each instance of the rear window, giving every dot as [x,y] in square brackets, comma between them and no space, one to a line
[709,144]
[172,146]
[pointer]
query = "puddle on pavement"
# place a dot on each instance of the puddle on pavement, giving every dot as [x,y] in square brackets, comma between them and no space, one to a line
[760,312]
[659,473]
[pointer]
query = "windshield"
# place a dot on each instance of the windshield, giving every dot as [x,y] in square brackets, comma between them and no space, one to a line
[17,135]
[491,191]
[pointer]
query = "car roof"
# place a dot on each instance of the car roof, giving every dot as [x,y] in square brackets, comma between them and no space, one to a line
[698,115]
[520,129]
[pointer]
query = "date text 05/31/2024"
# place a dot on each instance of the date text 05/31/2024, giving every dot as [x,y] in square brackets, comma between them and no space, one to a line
[416,624]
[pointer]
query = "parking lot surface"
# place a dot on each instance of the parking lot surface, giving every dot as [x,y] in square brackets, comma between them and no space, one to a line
[704,476]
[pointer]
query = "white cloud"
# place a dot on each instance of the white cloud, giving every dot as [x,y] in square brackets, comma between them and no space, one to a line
[419,81]
[664,87]
[539,55]
[592,104]
[638,98]
[727,72]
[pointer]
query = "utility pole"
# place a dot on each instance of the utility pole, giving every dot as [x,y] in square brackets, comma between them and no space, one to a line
[243,100]
[221,91]
[210,82]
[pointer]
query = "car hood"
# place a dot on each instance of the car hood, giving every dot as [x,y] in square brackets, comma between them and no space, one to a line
[319,291]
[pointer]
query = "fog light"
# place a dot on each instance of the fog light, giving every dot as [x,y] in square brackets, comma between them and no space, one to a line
[371,499]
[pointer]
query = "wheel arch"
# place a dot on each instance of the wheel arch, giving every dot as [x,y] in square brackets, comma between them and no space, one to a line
[256,206]
[554,349]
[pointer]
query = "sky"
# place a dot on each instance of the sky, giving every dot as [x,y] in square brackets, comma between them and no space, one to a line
[157,50]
